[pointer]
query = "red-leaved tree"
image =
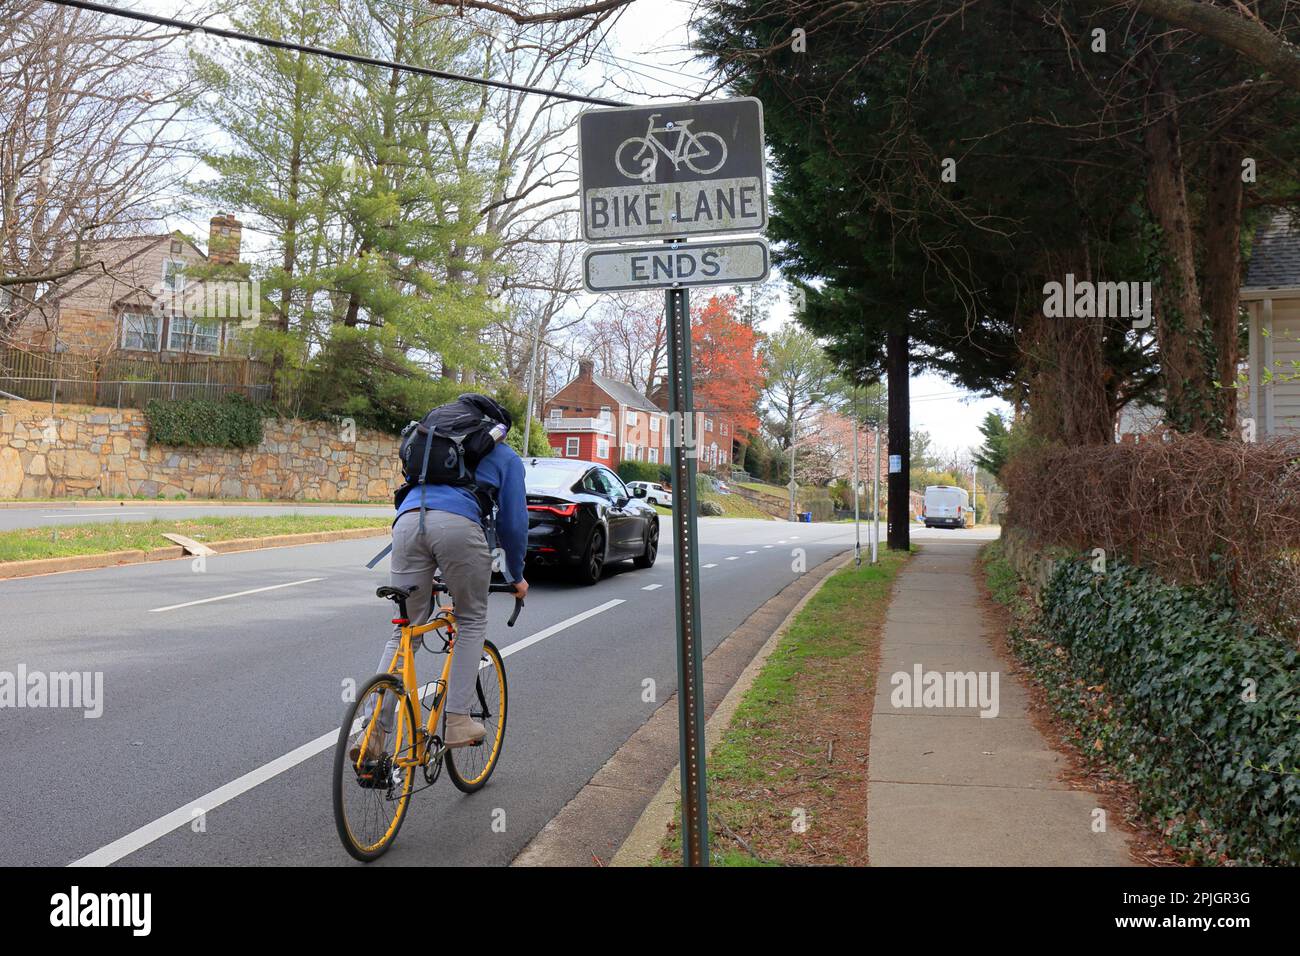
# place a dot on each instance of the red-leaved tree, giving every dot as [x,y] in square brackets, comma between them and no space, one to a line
[728,371]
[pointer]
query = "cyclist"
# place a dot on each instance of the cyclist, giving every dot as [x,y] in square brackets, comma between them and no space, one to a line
[441,528]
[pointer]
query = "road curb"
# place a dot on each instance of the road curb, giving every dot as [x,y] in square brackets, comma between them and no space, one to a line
[111,559]
[619,807]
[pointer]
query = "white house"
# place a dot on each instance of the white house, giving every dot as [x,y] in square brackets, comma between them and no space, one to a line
[1271,296]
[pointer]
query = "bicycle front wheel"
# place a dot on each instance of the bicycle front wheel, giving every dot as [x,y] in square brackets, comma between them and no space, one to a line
[371,791]
[470,767]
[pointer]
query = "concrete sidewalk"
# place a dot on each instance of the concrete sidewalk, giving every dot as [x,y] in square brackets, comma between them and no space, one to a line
[947,786]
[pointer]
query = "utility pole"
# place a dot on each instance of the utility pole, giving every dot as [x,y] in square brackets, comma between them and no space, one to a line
[532,381]
[792,486]
[896,362]
[875,495]
[857,527]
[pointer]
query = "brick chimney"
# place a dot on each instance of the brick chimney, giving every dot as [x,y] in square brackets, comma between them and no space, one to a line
[585,367]
[223,238]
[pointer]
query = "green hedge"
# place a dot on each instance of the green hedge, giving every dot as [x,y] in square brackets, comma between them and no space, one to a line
[1153,678]
[644,471]
[233,422]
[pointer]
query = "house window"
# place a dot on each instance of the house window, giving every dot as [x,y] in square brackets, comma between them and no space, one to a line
[633,453]
[631,417]
[177,247]
[173,275]
[602,447]
[556,414]
[708,424]
[187,335]
[713,453]
[654,423]
[571,447]
[141,332]
[724,428]
[605,415]
[654,455]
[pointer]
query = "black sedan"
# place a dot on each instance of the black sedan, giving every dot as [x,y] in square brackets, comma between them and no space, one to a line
[581,516]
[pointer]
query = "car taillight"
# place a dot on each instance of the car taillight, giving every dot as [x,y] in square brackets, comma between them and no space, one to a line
[564,511]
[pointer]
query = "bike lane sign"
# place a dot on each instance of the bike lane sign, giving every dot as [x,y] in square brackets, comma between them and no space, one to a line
[672,170]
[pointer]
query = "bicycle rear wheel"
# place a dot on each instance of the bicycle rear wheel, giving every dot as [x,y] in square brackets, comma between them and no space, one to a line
[470,767]
[371,796]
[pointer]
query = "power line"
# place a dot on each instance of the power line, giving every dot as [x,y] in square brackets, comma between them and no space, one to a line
[322,51]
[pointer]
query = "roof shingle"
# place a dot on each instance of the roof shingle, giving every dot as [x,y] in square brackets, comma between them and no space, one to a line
[1275,256]
[624,393]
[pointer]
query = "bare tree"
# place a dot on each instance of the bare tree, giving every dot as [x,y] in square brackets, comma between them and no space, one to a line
[630,339]
[89,142]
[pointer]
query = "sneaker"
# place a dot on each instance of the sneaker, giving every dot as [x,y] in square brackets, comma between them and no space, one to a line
[373,751]
[464,731]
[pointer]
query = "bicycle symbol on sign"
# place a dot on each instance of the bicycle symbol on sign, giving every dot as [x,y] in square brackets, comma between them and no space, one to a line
[703,153]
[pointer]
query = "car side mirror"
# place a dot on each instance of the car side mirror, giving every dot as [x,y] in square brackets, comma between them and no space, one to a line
[638,492]
[620,501]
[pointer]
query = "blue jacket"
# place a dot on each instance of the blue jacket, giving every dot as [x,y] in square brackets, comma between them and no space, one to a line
[503,473]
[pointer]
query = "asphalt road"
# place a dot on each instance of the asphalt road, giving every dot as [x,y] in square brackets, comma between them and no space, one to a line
[231,706]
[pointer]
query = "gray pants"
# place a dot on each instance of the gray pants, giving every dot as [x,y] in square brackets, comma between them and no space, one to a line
[457,547]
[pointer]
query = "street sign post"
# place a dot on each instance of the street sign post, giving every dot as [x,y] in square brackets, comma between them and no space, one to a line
[669,172]
[675,265]
[690,667]
[672,170]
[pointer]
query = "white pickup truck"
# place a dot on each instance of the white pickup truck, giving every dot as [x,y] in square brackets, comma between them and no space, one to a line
[945,506]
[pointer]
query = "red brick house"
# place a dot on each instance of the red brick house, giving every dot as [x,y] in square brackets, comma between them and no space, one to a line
[715,434]
[601,419]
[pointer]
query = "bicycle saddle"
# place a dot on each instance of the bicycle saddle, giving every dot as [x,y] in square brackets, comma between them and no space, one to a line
[394,593]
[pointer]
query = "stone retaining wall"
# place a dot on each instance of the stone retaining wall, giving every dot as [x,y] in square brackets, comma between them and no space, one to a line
[76,451]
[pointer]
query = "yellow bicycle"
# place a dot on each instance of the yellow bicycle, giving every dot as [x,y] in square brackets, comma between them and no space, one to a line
[375,772]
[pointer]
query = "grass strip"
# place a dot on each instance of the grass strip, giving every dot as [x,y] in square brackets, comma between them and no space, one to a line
[788,780]
[68,540]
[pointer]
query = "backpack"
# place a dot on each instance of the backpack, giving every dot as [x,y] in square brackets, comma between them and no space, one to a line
[445,447]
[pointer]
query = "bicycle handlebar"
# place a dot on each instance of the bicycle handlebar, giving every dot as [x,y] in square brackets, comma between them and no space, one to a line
[519,602]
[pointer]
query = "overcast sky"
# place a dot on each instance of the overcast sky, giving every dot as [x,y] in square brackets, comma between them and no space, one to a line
[648,58]
[649,54]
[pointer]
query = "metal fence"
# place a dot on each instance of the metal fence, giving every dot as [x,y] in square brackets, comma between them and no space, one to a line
[127,382]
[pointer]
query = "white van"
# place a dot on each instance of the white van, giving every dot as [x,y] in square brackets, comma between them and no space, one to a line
[945,506]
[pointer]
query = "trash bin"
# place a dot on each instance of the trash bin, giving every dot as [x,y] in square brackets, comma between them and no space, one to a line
[805,517]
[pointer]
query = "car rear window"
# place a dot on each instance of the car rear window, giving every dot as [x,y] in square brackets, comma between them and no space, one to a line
[551,475]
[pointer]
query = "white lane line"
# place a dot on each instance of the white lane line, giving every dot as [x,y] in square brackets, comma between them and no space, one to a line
[556,628]
[733,557]
[150,832]
[652,587]
[794,537]
[91,514]
[222,597]
[751,552]
[782,541]
[767,545]
[710,565]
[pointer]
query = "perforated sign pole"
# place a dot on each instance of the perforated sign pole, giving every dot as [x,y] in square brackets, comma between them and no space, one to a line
[690,672]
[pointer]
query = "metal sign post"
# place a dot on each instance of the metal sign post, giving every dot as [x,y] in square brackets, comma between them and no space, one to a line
[670,172]
[690,671]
